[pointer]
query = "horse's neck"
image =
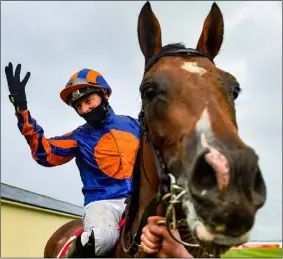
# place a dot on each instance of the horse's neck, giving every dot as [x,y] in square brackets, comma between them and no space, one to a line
[149,181]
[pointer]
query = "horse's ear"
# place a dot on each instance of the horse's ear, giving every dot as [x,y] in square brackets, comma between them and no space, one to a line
[149,32]
[211,37]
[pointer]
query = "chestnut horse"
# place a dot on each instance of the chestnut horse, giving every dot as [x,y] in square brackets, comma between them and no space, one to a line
[192,165]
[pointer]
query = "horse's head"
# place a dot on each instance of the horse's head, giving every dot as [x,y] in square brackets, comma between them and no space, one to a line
[189,112]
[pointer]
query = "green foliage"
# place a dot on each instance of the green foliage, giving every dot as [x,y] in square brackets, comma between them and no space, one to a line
[254,253]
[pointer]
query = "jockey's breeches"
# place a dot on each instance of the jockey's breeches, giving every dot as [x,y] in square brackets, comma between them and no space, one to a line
[103,218]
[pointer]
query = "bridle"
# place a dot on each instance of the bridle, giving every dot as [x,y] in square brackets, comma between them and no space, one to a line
[179,52]
[169,191]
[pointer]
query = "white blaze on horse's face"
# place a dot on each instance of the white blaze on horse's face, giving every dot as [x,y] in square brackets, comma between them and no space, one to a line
[203,125]
[193,67]
[214,158]
[204,131]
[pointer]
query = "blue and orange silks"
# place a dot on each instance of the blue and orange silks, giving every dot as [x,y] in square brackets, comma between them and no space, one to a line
[105,157]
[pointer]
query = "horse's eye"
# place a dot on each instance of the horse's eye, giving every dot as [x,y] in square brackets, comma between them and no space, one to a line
[149,93]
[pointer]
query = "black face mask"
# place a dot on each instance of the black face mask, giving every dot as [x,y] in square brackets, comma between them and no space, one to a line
[96,116]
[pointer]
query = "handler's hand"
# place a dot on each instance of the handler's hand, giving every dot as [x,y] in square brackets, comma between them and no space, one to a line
[155,239]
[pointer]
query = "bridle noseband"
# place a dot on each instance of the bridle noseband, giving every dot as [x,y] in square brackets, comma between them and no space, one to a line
[168,189]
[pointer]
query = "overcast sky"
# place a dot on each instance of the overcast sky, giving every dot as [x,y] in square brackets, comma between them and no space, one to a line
[53,40]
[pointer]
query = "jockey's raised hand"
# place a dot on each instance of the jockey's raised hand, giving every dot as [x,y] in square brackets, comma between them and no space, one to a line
[17,87]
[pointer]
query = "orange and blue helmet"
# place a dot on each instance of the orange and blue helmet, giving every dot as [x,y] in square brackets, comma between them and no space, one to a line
[84,82]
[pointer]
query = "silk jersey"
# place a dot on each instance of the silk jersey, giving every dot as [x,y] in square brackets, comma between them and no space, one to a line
[105,157]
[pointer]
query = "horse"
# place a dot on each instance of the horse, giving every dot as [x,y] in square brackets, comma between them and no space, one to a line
[192,165]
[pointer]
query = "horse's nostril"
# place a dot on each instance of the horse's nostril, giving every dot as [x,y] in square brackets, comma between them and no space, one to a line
[203,176]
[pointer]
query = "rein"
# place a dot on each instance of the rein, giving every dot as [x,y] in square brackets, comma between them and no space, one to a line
[168,189]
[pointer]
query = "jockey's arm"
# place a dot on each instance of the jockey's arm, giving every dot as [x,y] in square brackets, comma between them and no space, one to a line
[46,152]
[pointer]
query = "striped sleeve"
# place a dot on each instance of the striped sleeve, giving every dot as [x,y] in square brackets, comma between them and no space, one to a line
[46,152]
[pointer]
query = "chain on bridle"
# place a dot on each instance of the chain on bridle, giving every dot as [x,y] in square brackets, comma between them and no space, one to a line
[169,192]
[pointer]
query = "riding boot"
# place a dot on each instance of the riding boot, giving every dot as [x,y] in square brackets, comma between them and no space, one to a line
[88,250]
[77,250]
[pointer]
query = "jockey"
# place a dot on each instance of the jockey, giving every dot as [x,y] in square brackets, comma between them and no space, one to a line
[105,148]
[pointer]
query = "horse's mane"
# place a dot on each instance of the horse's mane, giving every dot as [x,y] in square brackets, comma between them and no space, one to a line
[172,46]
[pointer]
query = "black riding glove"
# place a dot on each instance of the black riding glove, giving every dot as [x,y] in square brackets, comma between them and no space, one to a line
[16,87]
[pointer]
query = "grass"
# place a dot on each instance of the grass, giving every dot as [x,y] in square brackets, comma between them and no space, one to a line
[254,253]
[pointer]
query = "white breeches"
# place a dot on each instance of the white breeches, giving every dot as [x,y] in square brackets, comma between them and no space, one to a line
[103,218]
